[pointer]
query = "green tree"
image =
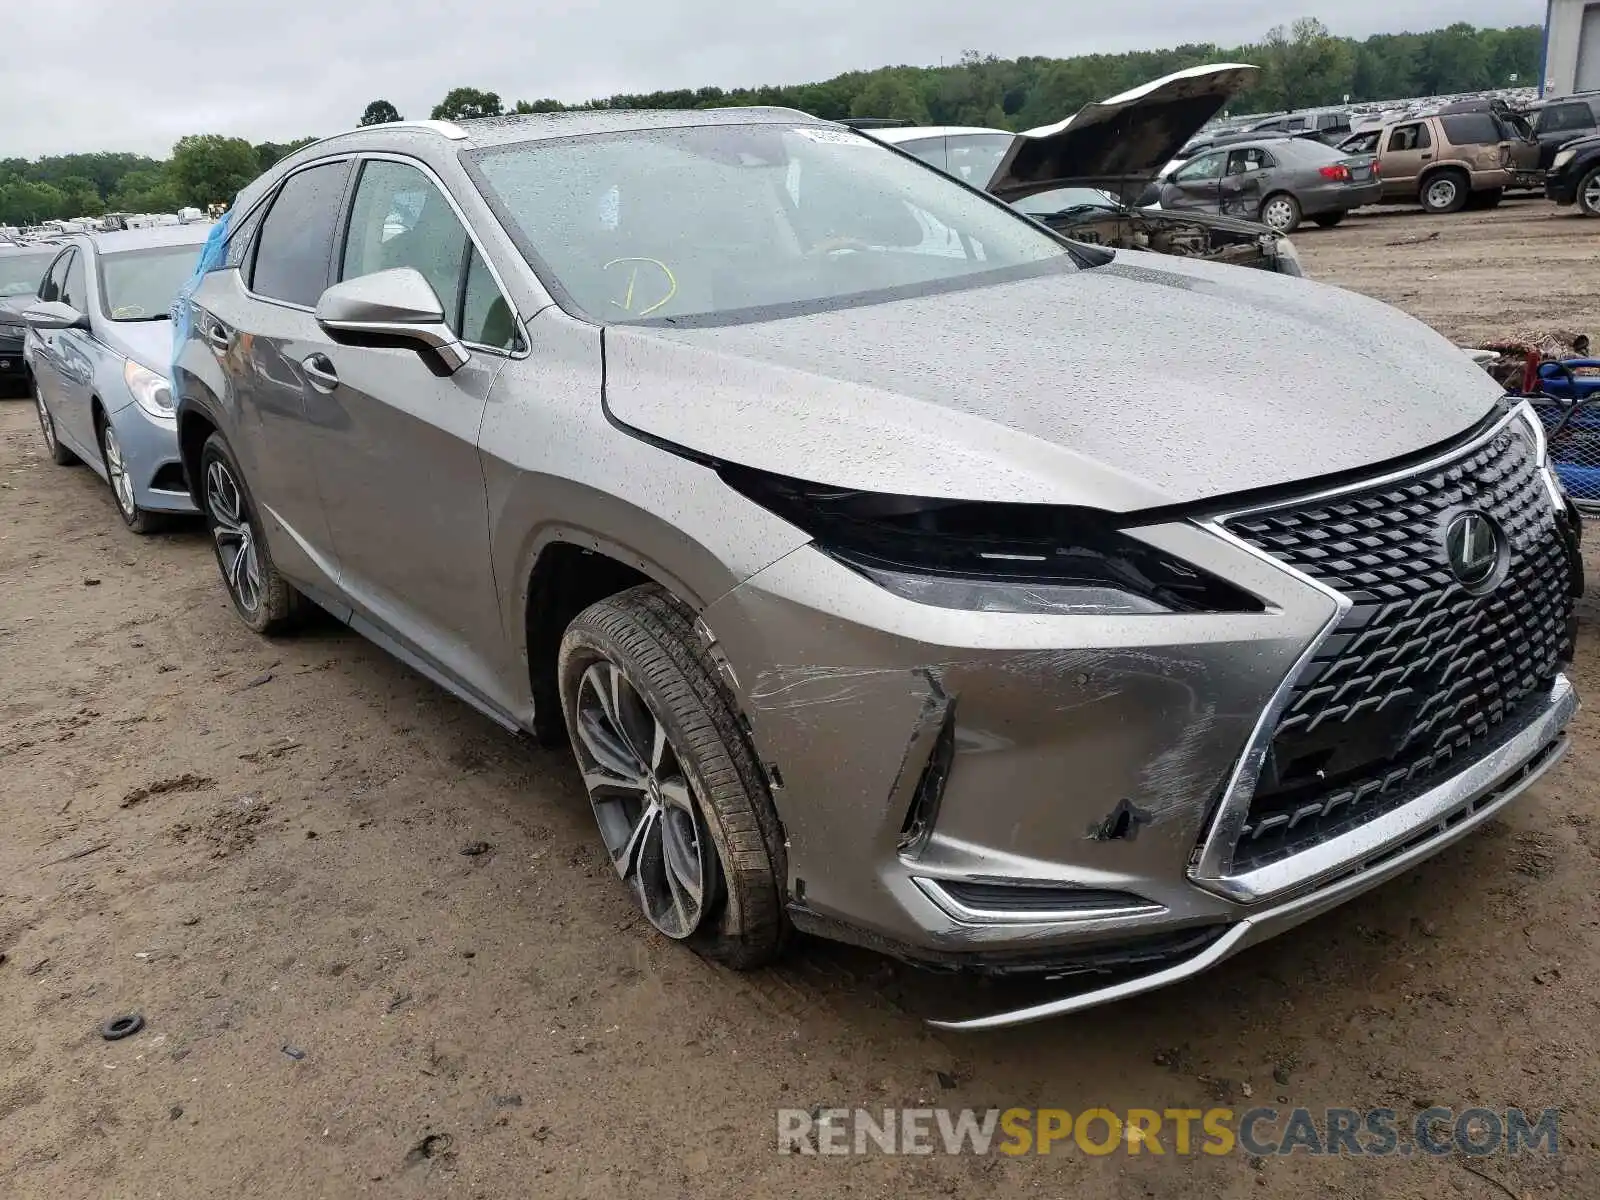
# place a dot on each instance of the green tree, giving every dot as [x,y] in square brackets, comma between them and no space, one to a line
[890,96]
[148,191]
[208,168]
[464,103]
[24,202]
[380,112]
[269,153]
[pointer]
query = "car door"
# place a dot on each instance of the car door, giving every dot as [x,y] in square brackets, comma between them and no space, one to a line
[1407,150]
[396,454]
[46,361]
[75,351]
[1243,182]
[256,318]
[1196,185]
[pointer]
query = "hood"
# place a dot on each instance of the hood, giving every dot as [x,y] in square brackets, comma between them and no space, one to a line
[1150,381]
[148,343]
[1122,143]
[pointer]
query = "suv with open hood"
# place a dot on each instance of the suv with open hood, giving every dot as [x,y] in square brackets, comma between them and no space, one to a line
[1085,176]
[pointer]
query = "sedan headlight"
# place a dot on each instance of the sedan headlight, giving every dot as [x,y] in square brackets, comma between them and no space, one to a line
[151,392]
[992,557]
[7,329]
[1562,158]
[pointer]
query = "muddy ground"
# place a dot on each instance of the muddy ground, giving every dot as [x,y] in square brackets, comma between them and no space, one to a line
[262,848]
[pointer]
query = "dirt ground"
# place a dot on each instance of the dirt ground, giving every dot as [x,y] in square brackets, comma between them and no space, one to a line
[263,848]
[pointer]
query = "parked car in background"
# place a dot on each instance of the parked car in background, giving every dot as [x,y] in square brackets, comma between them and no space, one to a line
[99,346]
[1085,176]
[1443,163]
[1558,122]
[980,597]
[1574,175]
[1278,181]
[22,266]
[1328,125]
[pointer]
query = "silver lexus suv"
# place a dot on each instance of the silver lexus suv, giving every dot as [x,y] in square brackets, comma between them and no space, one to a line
[899,571]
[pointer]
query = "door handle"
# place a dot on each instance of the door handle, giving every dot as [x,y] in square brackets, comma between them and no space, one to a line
[320,372]
[1426,157]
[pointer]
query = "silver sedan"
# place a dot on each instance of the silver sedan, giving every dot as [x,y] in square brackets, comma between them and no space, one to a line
[99,348]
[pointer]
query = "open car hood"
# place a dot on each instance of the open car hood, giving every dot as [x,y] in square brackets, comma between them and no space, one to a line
[1119,145]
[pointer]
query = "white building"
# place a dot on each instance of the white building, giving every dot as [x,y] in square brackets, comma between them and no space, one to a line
[1571,47]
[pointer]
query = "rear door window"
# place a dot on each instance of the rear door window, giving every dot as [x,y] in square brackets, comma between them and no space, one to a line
[1410,137]
[295,249]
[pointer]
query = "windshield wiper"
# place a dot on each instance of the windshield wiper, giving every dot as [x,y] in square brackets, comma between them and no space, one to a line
[1073,210]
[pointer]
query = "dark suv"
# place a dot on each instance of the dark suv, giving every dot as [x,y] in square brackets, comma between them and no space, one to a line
[1563,121]
[1574,175]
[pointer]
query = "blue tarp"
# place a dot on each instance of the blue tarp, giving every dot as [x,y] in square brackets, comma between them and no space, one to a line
[210,259]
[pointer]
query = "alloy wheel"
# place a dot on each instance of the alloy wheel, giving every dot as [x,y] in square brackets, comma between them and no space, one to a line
[121,481]
[643,802]
[46,421]
[1278,215]
[1442,193]
[1591,194]
[236,541]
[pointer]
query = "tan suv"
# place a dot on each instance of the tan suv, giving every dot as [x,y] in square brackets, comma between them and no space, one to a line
[1445,163]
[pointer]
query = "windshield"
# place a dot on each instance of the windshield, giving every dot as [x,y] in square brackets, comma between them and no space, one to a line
[142,285]
[669,224]
[1061,199]
[974,156]
[20,273]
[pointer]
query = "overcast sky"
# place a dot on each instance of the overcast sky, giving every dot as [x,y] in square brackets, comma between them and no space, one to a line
[138,74]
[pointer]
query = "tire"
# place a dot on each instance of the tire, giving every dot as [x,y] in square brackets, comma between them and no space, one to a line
[1329,220]
[134,517]
[1589,193]
[264,600]
[59,454]
[632,670]
[1280,212]
[1444,192]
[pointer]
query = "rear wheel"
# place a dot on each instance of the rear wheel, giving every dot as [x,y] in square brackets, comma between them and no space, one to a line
[681,803]
[264,599]
[136,518]
[1444,192]
[59,454]
[1281,213]
[1329,220]
[1589,193]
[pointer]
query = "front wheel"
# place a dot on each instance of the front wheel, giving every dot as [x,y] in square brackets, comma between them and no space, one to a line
[681,803]
[59,454]
[1281,213]
[1589,193]
[264,599]
[1444,193]
[121,482]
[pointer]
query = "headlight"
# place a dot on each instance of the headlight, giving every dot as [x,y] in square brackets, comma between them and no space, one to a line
[9,330]
[1289,259]
[150,391]
[983,557]
[1562,158]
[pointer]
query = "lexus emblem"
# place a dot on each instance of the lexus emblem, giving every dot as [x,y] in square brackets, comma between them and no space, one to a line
[1473,546]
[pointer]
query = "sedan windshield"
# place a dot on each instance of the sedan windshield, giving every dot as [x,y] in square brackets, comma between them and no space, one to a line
[142,285]
[673,224]
[20,273]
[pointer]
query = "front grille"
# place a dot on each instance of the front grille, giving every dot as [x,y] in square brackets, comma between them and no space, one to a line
[1421,675]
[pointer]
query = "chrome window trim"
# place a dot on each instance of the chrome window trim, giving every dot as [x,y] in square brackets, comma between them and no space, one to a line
[1212,870]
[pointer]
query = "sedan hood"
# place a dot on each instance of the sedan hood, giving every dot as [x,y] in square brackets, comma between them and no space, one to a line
[148,343]
[1119,144]
[1147,382]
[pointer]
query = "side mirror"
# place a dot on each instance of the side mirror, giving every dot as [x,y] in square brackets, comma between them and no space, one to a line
[392,306]
[52,315]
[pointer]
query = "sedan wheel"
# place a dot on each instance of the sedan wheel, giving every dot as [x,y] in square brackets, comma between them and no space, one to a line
[262,597]
[1281,214]
[59,454]
[682,806]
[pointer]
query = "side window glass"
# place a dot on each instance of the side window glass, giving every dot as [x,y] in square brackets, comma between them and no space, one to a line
[486,318]
[1424,137]
[296,240]
[239,238]
[50,286]
[1209,167]
[400,219]
[75,290]
[930,151]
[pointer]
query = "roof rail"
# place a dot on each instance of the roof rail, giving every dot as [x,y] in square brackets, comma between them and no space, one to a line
[447,129]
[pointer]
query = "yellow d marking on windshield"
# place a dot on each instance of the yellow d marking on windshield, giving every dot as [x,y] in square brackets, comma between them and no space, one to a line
[626,303]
